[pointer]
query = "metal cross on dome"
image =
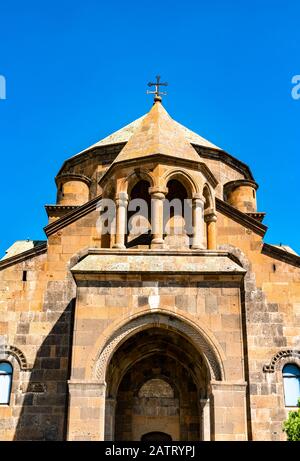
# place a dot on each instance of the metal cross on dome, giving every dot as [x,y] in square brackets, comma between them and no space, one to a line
[157,84]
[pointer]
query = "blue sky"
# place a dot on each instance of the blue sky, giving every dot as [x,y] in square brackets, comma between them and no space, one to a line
[77,71]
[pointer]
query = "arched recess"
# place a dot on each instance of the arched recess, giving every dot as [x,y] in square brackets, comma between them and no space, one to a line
[139,215]
[150,341]
[177,216]
[156,379]
[178,223]
[200,339]
[133,178]
[187,180]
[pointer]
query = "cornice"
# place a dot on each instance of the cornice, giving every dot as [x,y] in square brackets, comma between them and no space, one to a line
[112,149]
[71,217]
[60,179]
[240,217]
[231,185]
[199,166]
[258,215]
[210,262]
[226,158]
[57,208]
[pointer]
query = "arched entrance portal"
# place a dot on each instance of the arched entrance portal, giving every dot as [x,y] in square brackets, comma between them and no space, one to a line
[156,382]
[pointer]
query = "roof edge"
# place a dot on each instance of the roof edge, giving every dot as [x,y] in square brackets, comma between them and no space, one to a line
[241,218]
[155,157]
[282,255]
[204,152]
[72,216]
[36,251]
[224,157]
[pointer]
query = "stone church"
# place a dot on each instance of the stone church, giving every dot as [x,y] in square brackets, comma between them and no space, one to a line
[180,331]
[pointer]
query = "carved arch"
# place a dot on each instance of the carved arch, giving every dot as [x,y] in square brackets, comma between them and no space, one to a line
[197,337]
[134,177]
[6,351]
[284,356]
[185,178]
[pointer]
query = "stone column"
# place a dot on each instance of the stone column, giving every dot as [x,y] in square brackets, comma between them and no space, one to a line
[198,221]
[157,216]
[228,410]
[121,219]
[205,419]
[211,219]
[86,410]
[110,409]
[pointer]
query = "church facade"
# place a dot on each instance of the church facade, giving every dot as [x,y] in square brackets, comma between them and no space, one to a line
[141,320]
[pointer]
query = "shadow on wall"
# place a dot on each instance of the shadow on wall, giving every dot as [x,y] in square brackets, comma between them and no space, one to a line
[44,405]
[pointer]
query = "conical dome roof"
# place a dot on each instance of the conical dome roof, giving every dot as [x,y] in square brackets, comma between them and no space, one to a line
[158,133]
[126,133]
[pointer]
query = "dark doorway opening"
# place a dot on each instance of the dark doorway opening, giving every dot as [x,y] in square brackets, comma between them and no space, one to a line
[156,437]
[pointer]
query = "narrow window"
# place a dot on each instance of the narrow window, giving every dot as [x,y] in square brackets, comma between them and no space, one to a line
[24,276]
[291,383]
[6,371]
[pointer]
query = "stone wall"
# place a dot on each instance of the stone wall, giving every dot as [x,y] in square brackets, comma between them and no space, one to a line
[272,317]
[251,323]
[36,323]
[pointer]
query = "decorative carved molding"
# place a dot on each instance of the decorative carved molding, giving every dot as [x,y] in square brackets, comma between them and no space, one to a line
[190,183]
[134,176]
[209,352]
[258,215]
[61,207]
[36,388]
[287,353]
[6,350]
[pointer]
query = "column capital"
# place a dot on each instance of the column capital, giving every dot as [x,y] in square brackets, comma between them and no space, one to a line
[228,386]
[210,216]
[198,195]
[198,199]
[91,388]
[204,402]
[121,199]
[158,193]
